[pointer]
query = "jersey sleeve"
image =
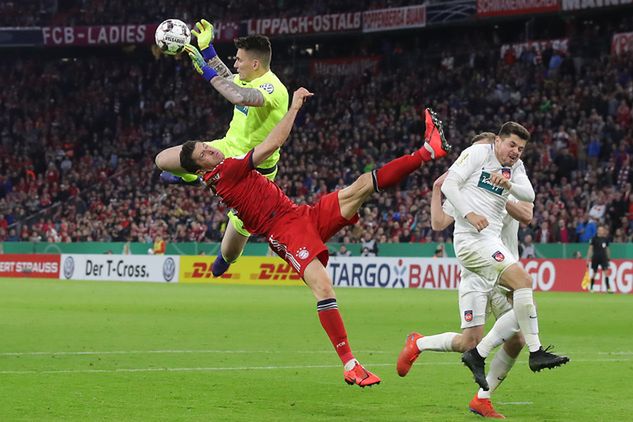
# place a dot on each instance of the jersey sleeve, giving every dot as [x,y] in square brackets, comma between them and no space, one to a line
[449,209]
[469,161]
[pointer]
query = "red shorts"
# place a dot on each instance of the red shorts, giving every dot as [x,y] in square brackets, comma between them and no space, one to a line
[299,236]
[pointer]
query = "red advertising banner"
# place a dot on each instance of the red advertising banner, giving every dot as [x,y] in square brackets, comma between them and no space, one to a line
[395,18]
[591,4]
[560,44]
[565,275]
[337,22]
[621,43]
[98,35]
[346,66]
[487,8]
[35,265]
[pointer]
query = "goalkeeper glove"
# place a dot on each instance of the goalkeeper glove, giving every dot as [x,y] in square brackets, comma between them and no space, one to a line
[200,64]
[204,34]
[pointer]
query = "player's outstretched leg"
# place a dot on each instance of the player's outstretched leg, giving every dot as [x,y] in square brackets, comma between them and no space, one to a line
[317,278]
[435,145]
[409,354]
[520,281]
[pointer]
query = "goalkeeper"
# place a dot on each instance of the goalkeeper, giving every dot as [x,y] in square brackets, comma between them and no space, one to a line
[260,101]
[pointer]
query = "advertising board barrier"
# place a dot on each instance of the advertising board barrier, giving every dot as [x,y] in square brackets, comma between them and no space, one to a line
[556,275]
[154,268]
[246,270]
[29,265]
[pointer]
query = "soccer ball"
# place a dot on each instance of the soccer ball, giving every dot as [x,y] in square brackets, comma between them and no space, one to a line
[172,35]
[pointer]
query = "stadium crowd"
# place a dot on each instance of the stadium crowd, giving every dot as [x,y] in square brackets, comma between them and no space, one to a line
[102,12]
[78,138]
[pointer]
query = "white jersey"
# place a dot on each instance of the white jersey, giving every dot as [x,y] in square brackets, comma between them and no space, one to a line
[509,232]
[473,169]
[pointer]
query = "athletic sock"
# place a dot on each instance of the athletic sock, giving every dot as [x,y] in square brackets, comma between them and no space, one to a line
[526,316]
[220,265]
[499,368]
[332,323]
[504,328]
[606,283]
[437,343]
[392,173]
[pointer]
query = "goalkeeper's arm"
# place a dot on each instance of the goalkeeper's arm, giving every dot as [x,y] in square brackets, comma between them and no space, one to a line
[203,31]
[237,95]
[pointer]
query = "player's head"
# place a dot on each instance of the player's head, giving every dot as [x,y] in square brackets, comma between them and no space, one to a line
[602,230]
[253,56]
[197,155]
[483,138]
[510,143]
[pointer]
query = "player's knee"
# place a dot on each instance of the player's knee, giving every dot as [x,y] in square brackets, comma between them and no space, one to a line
[363,185]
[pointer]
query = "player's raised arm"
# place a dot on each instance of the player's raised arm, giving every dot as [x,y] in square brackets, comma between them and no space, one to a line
[204,34]
[237,95]
[439,219]
[468,162]
[278,136]
[521,211]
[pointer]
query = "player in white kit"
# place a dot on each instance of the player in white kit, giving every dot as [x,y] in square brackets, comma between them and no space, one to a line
[477,299]
[478,186]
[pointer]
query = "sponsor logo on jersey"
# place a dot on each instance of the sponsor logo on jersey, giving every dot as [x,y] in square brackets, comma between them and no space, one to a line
[468,315]
[243,109]
[269,88]
[484,183]
[498,256]
[506,172]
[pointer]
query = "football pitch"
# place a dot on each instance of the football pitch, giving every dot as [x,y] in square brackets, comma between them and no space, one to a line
[143,352]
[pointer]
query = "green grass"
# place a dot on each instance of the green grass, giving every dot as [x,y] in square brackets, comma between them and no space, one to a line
[250,353]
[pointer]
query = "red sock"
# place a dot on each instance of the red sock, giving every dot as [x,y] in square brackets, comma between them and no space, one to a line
[395,171]
[333,325]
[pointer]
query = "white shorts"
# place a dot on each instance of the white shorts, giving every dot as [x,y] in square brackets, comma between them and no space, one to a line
[475,307]
[485,256]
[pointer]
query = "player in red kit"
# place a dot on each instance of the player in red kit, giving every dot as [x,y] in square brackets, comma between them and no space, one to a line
[297,232]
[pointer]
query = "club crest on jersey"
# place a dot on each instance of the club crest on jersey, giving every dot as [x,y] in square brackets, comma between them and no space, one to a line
[303,253]
[485,183]
[269,88]
[506,172]
[468,315]
[498,256]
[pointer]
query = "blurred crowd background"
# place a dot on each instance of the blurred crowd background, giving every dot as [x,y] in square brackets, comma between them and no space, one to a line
[79,129]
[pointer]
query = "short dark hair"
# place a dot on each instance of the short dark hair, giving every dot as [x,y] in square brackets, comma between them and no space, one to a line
[186,157]
[513,128]
[258,44]
[483,135]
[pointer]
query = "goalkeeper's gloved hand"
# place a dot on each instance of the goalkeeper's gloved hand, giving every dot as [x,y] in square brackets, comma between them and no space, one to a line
[199,63]
[204,34]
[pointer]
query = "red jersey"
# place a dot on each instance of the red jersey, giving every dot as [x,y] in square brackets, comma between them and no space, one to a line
[257,201]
